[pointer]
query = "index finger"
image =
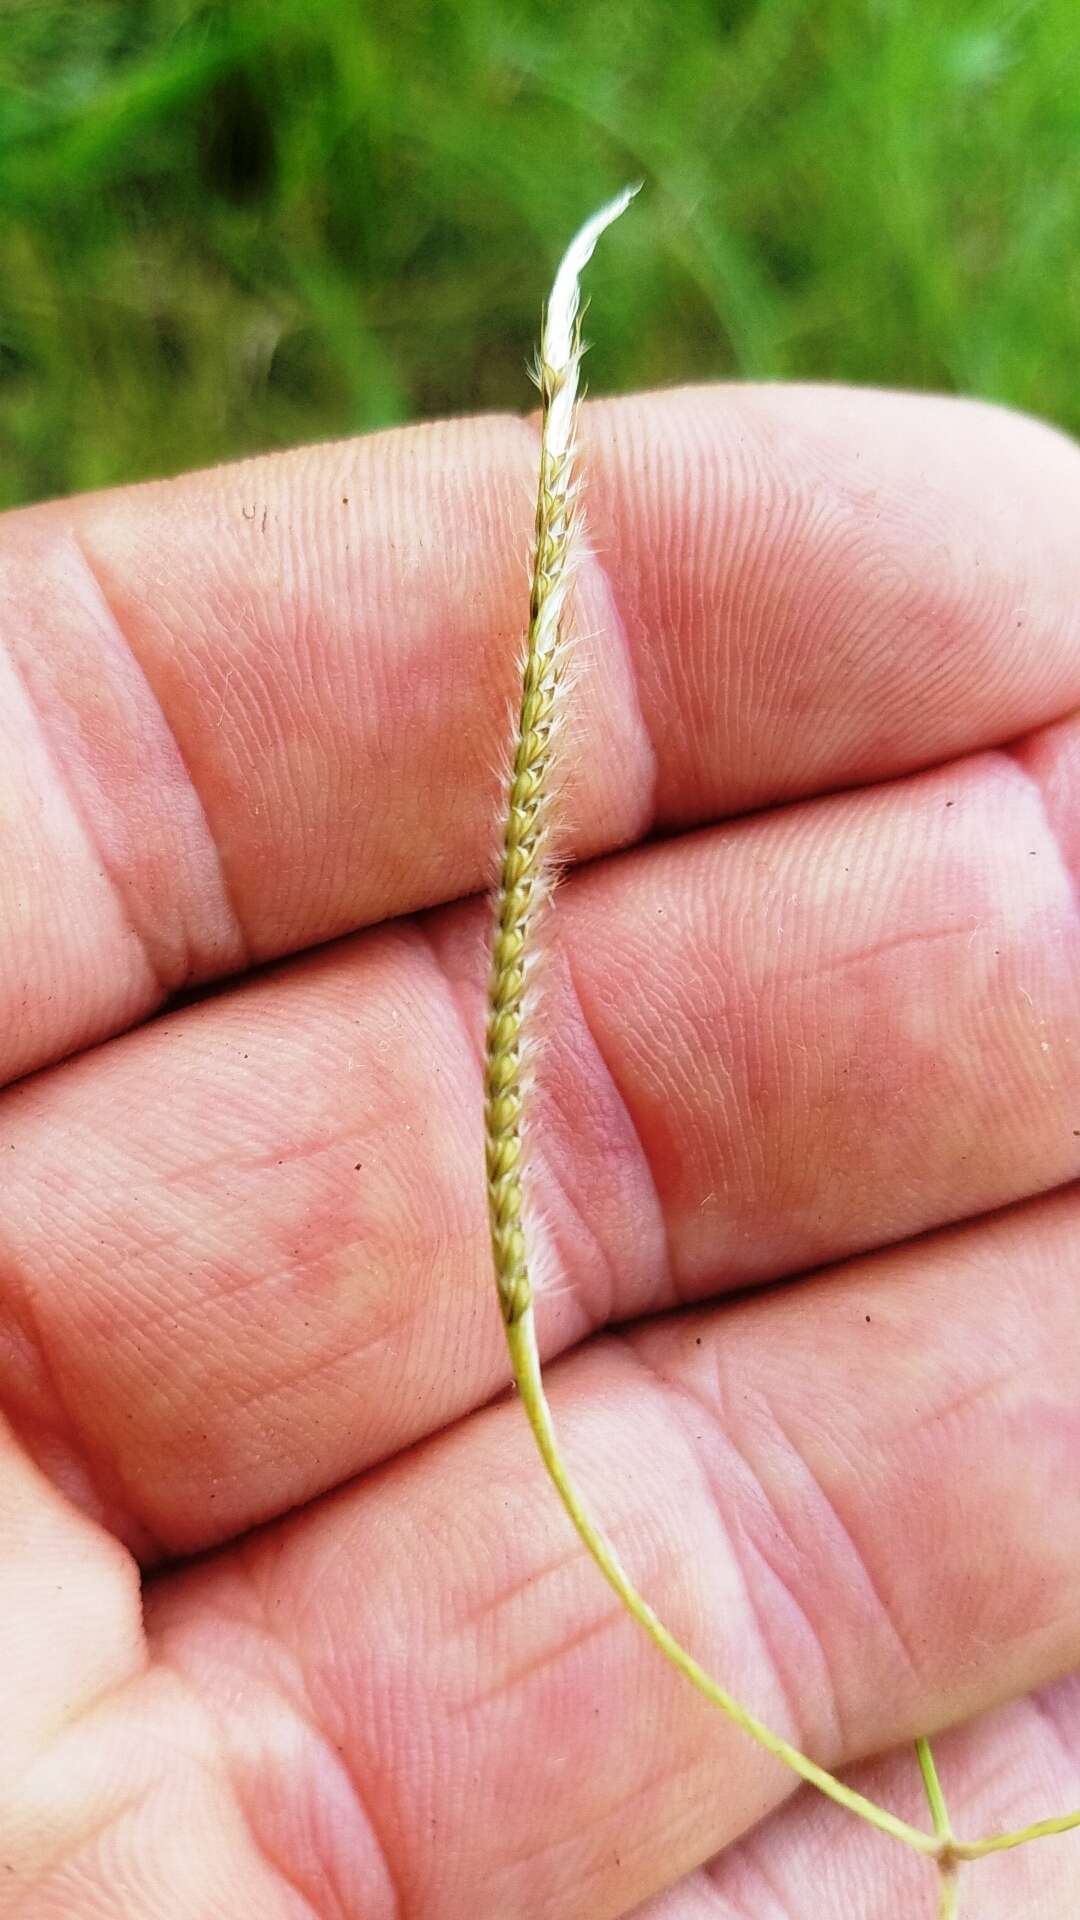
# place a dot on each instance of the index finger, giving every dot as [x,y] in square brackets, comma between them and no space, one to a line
[247,711]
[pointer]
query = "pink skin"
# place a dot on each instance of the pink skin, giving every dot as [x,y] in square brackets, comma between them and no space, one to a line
[243,1268]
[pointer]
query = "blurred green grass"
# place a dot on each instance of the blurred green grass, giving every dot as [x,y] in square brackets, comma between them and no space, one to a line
[237,226]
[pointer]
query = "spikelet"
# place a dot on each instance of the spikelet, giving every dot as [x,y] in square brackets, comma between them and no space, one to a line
[525,837]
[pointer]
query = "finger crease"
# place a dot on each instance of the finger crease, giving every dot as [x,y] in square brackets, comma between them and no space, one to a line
[227,947]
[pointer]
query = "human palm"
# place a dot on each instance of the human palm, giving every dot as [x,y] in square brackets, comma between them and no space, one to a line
[811,1019]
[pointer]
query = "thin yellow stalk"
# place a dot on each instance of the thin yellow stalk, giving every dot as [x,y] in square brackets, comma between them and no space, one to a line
[939,1813]
[948,1867]
[518,901]
[949,1895]
[1002,1842]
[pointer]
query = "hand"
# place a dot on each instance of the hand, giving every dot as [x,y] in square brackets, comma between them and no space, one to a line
[826,1017]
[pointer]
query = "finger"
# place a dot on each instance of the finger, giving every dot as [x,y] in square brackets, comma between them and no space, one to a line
[250,710]
[1002,1771]
[803,1485]
[268,1264]
[818,585]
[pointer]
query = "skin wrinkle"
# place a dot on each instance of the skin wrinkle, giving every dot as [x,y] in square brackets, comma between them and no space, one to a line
[309,1607]
[688,1406]
[1046,1709]
[279,1869]
[506,1596]
[193,1171]
[335,1753]
[992,1774]
[807,539]
[994,1771]
[473,1045]
[152,1546]
[860,956]
[866,953]
[623,1804]
[398,1907]
[300,1706]
[960,1403]
[542,1165]
[110,1489]
[886,1614]
[903,1431]
[78,1843]
[111,1691]
[567,1645]
[241,956]
[324,1363]
[652,464]
[558,1573]
[1018,752]
[592,566]
[771,1635]
[596,1313]
[832,1738]
[668,1289]
[78,813]
[761,1866]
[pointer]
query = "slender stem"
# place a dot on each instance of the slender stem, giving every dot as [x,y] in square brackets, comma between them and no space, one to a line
[1000,1842]
[949,1895]
[948,1868]
[935,1796]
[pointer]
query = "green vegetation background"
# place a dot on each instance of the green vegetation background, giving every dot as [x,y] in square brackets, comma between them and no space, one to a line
[237,226]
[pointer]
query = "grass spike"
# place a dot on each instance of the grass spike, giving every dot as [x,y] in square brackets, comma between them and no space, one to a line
[518,901]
